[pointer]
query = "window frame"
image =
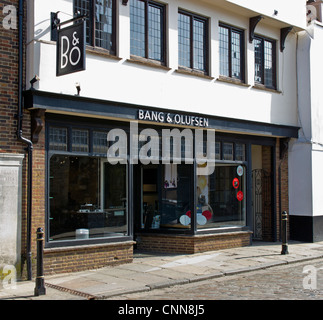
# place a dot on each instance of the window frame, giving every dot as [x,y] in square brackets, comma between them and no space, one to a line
[231,29]
[71,125]
[274,62]
[90,20]
[163,42]
[205,20]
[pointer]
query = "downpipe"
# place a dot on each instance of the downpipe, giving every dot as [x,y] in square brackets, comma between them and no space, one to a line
[23,139]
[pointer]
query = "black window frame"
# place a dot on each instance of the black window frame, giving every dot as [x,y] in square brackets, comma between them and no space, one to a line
[241,32]
[90,25]
[163,42]
[263,39]
[205,20]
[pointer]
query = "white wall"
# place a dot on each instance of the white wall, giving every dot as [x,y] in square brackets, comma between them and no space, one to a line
[119,80]
[306,153]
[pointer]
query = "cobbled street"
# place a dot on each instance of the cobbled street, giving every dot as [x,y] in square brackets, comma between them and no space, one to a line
[277,283]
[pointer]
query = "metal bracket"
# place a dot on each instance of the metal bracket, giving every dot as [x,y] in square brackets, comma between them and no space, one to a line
[56,23]
[252,26]
[283,35]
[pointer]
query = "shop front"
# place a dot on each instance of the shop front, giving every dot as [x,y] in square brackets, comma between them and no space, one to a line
[120,177]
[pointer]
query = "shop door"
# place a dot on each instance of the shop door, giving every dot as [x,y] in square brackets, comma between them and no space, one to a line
[261,204]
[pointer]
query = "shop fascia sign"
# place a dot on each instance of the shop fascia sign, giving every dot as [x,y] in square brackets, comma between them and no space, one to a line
[71,44]
[171,118]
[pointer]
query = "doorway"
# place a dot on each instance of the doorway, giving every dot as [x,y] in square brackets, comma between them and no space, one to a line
[262,201]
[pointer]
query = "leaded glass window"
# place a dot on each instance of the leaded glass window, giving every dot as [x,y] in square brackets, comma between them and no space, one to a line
[265,62]
[192,41]
[147,29]
[231,52]
[100,22]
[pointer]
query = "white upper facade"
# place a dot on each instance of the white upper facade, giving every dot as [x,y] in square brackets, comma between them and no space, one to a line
[120,79]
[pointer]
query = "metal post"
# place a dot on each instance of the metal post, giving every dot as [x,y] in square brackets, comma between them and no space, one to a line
[284,233]
[40,283]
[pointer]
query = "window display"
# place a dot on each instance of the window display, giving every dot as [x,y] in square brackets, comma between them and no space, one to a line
[220,197]
[87,198]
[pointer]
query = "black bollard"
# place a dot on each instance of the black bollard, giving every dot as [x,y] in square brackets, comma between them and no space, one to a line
[284,233]
[40,282]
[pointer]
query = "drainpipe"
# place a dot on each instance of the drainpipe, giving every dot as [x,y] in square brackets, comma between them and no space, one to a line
[21,138]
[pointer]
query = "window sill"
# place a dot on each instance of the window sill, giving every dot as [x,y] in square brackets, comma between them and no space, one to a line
[101,52]
[263,88]
[193,72]
[147,62]
[232,81]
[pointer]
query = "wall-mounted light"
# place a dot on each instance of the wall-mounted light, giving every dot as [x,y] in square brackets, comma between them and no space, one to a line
[78,88]
[124,2]
[34,80]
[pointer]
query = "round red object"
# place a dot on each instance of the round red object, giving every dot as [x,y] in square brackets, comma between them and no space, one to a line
[207,214]
[240,195]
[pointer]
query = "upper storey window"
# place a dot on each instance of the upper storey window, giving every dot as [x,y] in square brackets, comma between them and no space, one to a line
[265,62]
[192,40]
[100,22]
[231,52]
[147,30]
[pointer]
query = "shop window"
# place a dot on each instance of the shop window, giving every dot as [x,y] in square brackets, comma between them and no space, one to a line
[167,200]
[240,153]
[100,144]
[100,22]
[58,138]
[221,200]
[80,140]
[147,29]
[87,198]
[227,151]
[193,41]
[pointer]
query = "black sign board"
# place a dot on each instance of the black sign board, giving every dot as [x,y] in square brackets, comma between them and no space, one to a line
[71,49]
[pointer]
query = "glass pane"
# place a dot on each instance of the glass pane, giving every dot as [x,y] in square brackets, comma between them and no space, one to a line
[115,198]
[184,39]
[236,54]
[227,151]
[104,24]
[80,140]
[137,28]
[176,202]
[258,61]
[217,151]
[221,200]
[78,208]
[155,21]
[58,139]
[100,144]
[199,44]
[224,51]
[240,152]
[83,7]
[269,64]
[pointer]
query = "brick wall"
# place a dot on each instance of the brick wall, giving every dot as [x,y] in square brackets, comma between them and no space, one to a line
[282,199]
[72,259]
[188,244]
[9,83]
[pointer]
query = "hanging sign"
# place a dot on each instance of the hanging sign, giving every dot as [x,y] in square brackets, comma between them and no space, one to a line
[71,49]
